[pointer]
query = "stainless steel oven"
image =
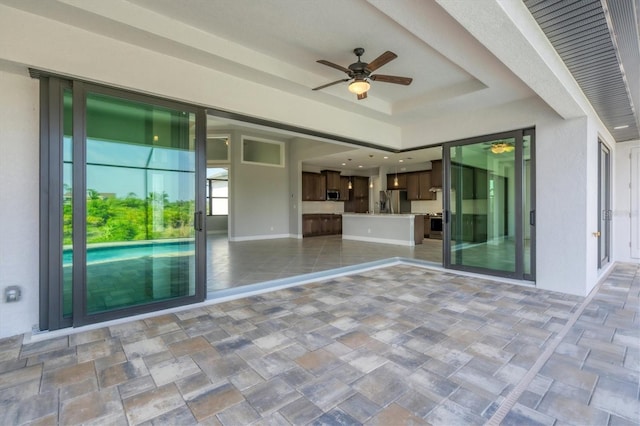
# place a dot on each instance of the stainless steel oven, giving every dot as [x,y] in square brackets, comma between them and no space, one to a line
[435,227]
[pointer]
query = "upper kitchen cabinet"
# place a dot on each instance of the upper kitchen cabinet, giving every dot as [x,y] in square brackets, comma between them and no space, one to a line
[359,195]
[313,187]
[436,173]
[419,186]
[332,180]
[344,188]
[360,187]
[402,181]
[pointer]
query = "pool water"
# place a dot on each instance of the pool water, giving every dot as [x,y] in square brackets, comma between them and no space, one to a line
[131,251]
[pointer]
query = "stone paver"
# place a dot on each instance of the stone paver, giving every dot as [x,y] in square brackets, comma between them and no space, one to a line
[399,345]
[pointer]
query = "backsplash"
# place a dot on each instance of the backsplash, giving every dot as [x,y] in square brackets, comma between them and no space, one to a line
[428,206]
[329,207]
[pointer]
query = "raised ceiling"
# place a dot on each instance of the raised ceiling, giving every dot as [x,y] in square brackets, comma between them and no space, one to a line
[276,43]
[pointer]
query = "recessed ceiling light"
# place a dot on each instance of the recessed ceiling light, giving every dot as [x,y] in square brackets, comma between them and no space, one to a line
[400,161]
[360,166]
[344,164]
[386,157]
[621,127]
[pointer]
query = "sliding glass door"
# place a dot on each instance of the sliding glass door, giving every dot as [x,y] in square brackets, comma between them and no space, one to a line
[604,205]
[489,205]
[129,238]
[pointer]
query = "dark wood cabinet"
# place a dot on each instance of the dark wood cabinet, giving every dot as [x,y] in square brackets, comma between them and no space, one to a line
[332,180]
[344,188]
[313,187]
[358,195]
[402,181]
[436,173]
[413,186]
[474,228]
[321,224]
[360,187]
[419,185]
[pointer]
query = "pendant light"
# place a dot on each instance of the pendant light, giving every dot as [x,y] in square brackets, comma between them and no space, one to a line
[350,185]
[395,179]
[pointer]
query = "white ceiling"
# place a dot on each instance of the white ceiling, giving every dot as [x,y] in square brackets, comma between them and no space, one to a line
[277,43]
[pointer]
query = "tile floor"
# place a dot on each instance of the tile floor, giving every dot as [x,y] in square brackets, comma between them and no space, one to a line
[398,345]
[233,264]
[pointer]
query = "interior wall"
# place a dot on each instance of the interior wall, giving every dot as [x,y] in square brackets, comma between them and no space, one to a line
[626,208]
[259,201]
[217,224]
[19,202]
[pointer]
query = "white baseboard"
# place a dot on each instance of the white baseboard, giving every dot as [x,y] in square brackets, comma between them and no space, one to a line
[379,240]
[260,237]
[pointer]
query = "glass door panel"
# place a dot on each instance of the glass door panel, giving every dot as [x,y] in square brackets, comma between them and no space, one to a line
[604,206]
[489,205]
[67,204]
[528,210]
[140,203]
[482,205]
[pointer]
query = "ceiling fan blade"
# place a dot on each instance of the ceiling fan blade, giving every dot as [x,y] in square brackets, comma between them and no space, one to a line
[362,96]
[331,84]
[392,79]
[381,60]
[336,66]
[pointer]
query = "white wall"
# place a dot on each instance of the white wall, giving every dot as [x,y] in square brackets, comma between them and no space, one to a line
[217,224]
[561,202]
[428,206]
[623,211]
[19,211]
[258,207]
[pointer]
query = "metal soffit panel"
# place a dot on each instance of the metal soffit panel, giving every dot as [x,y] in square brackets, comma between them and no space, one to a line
[606,67]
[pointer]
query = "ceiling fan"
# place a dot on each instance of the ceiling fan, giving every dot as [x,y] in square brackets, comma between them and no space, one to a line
[500,146]
[360,73]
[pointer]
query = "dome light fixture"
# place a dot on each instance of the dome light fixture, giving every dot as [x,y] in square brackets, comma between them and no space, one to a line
[501,147]
[359,86]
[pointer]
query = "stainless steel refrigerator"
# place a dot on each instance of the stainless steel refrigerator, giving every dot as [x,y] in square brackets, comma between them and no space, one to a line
[394,201]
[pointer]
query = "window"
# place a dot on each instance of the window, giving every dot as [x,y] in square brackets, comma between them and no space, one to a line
[263,152]
[217,191]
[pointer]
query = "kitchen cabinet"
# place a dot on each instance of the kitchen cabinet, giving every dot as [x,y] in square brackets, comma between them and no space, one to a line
[358,195]
[332,180]
[427,225]
[474,181]
[436,173]
[474,228]
[313,187]
[480,184]
[402,181]
[321,224]
[360,187]
[419,185]
[344,188]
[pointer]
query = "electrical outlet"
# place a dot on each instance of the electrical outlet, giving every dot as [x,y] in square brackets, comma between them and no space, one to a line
[12,293]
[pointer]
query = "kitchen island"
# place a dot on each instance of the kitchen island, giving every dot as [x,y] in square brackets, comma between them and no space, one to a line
[398,229]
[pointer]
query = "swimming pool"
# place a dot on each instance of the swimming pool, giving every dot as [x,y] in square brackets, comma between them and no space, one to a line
[111,252]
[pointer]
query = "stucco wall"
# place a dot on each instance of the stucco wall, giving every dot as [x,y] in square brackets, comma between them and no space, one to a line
[19,118]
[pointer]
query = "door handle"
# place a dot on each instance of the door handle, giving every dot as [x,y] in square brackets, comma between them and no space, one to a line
[597,234]
[197,221]
[532,218]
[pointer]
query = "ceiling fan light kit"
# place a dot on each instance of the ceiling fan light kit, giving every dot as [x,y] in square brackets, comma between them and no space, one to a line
[501,147]
[359,87]
[360,73]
